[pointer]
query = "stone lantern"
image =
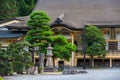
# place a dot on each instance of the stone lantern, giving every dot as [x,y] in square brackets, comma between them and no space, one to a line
[49,57]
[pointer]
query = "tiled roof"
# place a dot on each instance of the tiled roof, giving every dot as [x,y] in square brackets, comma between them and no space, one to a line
[79,12]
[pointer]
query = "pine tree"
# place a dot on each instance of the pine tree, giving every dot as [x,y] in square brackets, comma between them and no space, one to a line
[40,33]
[95,42]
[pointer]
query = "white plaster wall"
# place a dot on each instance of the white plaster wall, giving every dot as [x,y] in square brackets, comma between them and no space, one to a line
[118,45]
[4,43]
[117,36]
[107,36]
[106,46]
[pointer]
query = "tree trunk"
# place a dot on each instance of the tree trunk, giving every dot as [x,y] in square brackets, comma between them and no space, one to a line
[91,61]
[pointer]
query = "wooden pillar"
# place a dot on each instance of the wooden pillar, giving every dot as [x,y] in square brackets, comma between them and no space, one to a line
[75,61]
[113,33]
[73,54]
[110,63]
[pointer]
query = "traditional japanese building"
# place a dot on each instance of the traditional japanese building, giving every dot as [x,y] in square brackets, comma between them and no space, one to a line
[12,30]
[69,17]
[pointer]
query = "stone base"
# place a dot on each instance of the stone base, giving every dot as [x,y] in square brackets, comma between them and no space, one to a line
[47,69]
[33,70]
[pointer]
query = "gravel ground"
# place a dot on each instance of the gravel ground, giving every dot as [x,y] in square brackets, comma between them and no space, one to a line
[92,74]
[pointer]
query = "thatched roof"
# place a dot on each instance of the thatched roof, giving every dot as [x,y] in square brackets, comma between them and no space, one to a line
[19,25]
[81,12]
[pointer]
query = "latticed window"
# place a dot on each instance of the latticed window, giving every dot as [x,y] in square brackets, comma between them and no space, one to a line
[113,45]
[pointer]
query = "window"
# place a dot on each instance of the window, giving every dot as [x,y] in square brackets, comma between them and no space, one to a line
[112,45]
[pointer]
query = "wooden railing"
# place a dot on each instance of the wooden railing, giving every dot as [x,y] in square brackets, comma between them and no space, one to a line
[113,52]
[109,53]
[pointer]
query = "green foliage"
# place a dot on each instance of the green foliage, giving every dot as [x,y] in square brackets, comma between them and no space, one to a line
[40,69]
[25,6]
[14,59]
[40,34]
[62,48]
[1,78]
[8,9]
[19,57]
[59,40]
[39,20]
[18,66]
[95,41]
[12,8]
[4,63]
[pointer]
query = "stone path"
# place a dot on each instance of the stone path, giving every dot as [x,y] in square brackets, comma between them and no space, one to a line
[93,74]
